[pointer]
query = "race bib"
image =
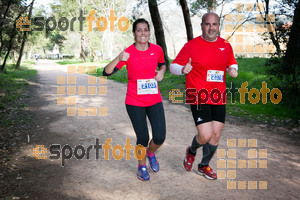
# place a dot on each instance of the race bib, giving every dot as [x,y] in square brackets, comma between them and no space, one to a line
[147,86]
[215,76]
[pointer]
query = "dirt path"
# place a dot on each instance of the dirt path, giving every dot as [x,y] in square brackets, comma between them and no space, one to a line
[116,179]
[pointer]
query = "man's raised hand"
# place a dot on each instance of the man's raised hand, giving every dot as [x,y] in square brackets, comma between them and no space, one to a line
[232,72]
[188,67]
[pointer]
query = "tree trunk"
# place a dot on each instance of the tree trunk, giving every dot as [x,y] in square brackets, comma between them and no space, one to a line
[14,33]
[15,56]
[292,56]
[8,51]
[187,19]
[24,38]
[272,36]
[93,54]
[29,53]
[82,54]
[211,5]
[214,5]
[1,25]
[158,28]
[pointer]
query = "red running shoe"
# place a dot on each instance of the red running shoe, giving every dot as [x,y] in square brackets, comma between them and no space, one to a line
[188,160]
[207,172]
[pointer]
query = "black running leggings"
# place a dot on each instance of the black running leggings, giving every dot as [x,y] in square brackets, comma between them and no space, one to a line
[157,120]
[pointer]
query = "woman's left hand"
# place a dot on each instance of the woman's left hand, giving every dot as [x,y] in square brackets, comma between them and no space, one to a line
[159,75]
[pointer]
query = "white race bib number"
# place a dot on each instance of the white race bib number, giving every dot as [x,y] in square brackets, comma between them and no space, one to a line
[215,76]
[147,86]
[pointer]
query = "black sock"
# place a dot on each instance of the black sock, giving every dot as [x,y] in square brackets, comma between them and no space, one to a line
[200,165]
[195,145]
[208,152]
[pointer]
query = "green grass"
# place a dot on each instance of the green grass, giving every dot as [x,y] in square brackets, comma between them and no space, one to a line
[13,86]
[68,62]
[80,63]
[264,112]
[168,83]
[251,70]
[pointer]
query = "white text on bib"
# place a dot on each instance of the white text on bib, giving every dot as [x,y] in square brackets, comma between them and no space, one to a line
[215,76]
[147,86]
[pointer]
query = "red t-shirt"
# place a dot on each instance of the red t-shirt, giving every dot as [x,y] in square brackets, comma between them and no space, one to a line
[209,61]
[142,65]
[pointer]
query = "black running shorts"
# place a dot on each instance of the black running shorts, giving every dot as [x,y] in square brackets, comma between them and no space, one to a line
[206,113]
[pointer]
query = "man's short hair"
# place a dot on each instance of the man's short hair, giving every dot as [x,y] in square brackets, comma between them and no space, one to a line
[210,13]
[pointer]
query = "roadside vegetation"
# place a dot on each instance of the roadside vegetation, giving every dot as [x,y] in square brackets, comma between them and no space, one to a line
[252,72]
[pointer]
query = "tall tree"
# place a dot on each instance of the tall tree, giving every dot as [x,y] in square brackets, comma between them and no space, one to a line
[187,19]
[93,42]
[209,5]
[158,28]
[292,56]
[198,6]
[82,53]
[272,35]
[11,31]
[212,6]
[10,44]
[24,38]
[5,5]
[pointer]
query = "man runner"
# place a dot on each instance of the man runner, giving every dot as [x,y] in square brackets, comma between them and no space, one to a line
[204,61]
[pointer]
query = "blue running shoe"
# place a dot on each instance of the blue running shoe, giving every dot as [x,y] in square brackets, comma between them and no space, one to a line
[142,173]
[153,163]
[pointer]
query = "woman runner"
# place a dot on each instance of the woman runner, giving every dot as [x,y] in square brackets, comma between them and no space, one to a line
[143,97]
